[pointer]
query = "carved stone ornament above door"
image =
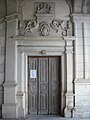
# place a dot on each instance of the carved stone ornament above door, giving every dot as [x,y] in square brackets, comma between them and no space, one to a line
[44,8]
[44,29]
[44,23]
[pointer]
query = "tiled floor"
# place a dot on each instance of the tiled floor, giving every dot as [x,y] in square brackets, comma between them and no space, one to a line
[47,117]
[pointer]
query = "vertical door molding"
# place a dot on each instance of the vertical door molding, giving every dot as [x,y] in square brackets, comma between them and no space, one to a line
[43,85]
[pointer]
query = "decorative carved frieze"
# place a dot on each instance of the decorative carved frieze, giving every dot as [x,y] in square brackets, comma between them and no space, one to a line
[44,28]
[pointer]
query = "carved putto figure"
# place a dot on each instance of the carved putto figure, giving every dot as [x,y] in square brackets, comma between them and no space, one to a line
[43,8]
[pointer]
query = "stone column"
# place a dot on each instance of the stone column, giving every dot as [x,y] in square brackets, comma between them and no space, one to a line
[10,108]
[69,76]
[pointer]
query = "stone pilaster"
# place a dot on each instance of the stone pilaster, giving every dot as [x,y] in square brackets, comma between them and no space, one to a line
[69,77]
[10,107]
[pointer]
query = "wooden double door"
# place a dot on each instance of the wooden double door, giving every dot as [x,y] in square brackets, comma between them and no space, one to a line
[44,85]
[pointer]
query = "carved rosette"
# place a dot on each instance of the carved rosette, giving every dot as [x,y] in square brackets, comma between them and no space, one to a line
[44,29]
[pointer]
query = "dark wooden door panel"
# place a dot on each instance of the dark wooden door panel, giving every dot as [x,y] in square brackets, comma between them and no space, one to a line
[43,85]
[44,90]
[54,85]
[32,87]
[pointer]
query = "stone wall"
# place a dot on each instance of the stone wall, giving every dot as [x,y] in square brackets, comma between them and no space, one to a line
[2,59]
[82,61]
[2,53]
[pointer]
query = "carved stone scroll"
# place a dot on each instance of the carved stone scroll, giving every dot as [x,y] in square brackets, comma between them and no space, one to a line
[27,26]
[60,25]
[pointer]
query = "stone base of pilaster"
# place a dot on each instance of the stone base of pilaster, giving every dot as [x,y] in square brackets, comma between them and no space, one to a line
[21,107]
[69,104]
[21,112]
[67,112]
[9,111]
